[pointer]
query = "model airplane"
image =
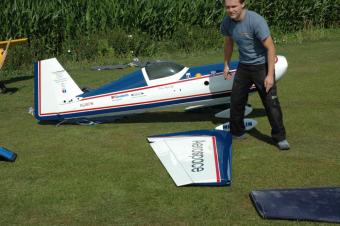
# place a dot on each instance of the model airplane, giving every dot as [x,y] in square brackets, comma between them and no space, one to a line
[157,85]
[4,46]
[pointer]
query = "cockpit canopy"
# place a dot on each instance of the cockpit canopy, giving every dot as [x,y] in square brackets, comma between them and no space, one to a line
[162,69]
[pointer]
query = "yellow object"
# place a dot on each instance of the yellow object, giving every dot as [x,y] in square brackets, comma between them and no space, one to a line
[13,42]
[6,44]
[198,75]
[3,54]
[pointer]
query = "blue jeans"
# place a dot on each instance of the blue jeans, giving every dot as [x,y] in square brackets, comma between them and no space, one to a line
[245,77]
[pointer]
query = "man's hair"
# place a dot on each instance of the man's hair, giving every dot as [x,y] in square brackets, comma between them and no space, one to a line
[241,1]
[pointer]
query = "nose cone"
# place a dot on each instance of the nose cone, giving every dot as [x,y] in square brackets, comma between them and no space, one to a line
[281,67]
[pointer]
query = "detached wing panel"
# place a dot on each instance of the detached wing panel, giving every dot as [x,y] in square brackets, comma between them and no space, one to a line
[170,162]
[196,157]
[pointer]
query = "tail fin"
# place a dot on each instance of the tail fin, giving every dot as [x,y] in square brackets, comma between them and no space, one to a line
[54,88]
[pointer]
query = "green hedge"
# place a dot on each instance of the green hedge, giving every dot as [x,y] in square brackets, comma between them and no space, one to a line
[54,25]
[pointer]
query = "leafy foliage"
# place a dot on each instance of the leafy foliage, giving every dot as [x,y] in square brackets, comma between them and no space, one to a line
[107,174]
[95,28]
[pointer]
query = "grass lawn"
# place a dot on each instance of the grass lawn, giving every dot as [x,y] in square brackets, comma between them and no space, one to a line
[108,174]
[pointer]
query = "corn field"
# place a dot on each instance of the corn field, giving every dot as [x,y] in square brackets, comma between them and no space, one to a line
[57,21]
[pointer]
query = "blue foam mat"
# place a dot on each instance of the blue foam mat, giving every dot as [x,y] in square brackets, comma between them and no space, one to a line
[312,204]
[7,155]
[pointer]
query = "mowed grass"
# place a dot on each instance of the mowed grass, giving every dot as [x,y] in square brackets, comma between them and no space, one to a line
[108,174]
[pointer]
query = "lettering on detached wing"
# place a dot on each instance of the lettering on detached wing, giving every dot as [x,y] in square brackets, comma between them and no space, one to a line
[197,162]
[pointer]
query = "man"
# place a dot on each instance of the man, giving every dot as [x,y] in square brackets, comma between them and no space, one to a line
[257,59]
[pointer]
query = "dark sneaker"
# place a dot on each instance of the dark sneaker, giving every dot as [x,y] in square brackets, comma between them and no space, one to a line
[241,137]
[283,145]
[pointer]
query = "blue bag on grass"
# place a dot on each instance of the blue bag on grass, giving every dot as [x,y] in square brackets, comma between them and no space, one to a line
[7,154]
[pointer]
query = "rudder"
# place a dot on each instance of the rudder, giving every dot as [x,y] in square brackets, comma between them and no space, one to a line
[54,88]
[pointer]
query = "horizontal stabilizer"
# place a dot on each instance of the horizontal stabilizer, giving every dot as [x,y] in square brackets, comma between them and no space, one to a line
[192,108]
[226,113]
[314,204]
[248,123]
[200,157]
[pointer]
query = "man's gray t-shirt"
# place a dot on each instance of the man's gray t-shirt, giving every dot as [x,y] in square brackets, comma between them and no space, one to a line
[248,34]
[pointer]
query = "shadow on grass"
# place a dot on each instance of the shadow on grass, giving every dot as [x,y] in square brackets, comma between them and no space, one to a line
[257,113]
[18,79]
[167,116]
[6,90]
[11,90]
[2,159]
[260,136]
[206,114]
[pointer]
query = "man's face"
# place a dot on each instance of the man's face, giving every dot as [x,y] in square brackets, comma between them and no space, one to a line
[234,9]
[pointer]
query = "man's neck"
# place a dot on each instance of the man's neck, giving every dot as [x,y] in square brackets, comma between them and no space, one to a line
[242,15]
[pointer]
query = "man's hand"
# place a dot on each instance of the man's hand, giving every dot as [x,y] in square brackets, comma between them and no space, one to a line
[268,43]
[268,82]
[226,73]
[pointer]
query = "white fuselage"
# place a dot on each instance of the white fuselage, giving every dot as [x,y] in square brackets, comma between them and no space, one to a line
[58,97]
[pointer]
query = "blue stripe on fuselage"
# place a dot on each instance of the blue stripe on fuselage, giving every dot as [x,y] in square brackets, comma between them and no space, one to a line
[130,81]
[137,80]
[207,69]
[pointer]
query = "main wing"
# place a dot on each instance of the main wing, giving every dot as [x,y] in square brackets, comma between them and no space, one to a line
[200,157]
